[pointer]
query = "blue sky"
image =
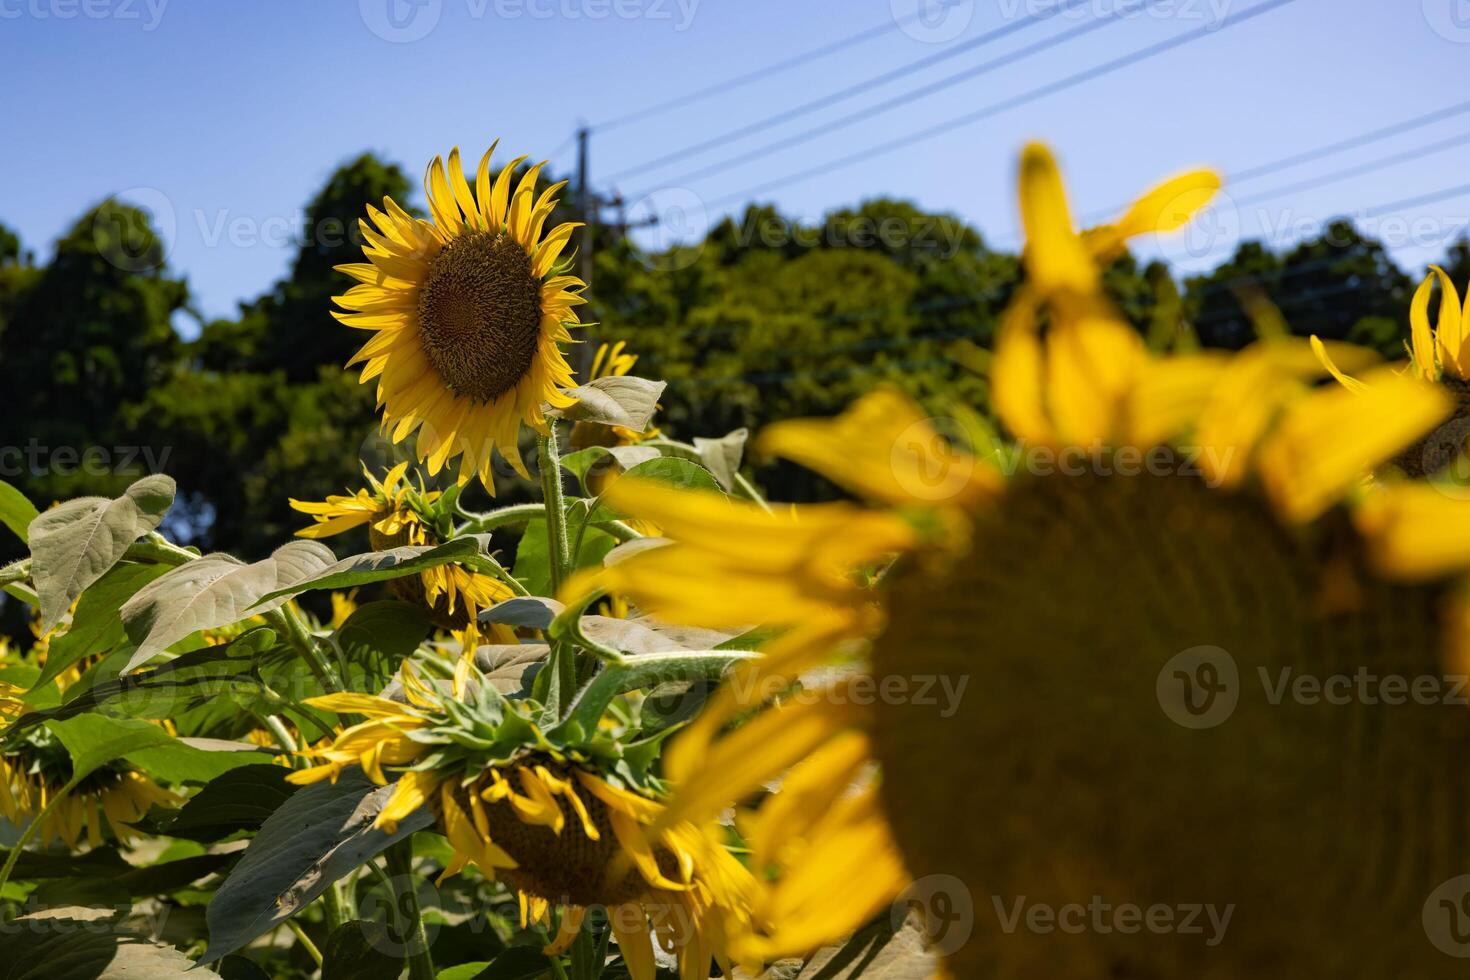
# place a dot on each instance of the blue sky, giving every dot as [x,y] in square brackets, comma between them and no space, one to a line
[226,117]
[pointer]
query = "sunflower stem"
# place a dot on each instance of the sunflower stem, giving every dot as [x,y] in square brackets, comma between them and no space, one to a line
[400,863]
[35,825]
[288,621]
[502,517]
[558,547]
[305,941]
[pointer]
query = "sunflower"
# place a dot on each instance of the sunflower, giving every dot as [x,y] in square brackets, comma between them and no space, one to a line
[397,514]
[1439,354]
[544,816]
[1122,684]
[36,767]
[468,310]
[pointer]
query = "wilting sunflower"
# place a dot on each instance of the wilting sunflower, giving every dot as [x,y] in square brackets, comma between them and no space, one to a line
[562,818]
[1440,354]
[468,309]
[35,766]
[396,514]
[1185,660]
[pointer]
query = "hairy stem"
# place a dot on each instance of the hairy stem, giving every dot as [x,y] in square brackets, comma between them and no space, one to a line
[400,863]
[556,510]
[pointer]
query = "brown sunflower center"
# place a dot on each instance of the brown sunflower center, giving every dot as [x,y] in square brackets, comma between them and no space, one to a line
[569,867]
[480,314]
[1169,703]
[1443,446]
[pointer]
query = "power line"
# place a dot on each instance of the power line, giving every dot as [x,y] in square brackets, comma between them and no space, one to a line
[864,114]
[1432,197]
[1316,153]
[1310,183]
[795,112]
[1071,81]
[755,75]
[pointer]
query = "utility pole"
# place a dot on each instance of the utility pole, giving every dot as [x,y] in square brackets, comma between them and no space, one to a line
[590,205]
[586,205]
[589,219]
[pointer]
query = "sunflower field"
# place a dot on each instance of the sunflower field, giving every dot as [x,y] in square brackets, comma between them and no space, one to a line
[1110,630]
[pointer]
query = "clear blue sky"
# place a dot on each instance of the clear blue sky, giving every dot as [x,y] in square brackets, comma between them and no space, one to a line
[231,114]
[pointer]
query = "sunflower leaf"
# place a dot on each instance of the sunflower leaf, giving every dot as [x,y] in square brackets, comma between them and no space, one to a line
[722,456]
[623,401]
[323,832]
[75,543]
[16,512]
[95,740]
[95,627]
[378,566]
[76,943]
[215,591]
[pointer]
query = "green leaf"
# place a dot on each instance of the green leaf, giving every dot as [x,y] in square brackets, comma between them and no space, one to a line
[722,456]
[623,401]
[73,943]
[604,459]
[378,566]
[215,591]
[646,670]
[533,566]
[16,512]
[356,951]
[98,862]
[166,876]
[675,471]
[464,971]
[516,963]
[511,668]
[94,740]
[533,611]
[320,834]
[170,689]
[95,626]
[239,800]
[75,543]
[381,631]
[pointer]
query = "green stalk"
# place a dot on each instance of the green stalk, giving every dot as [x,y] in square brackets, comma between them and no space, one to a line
[18,572]
[288,621]
[556,508]
[400,862]
[503,517]
[305,941]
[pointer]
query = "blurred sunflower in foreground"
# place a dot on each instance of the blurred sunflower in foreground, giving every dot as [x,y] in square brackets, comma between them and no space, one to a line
[1440,354]
[468,310]
[1144,607]
[396,514]
[561,816]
